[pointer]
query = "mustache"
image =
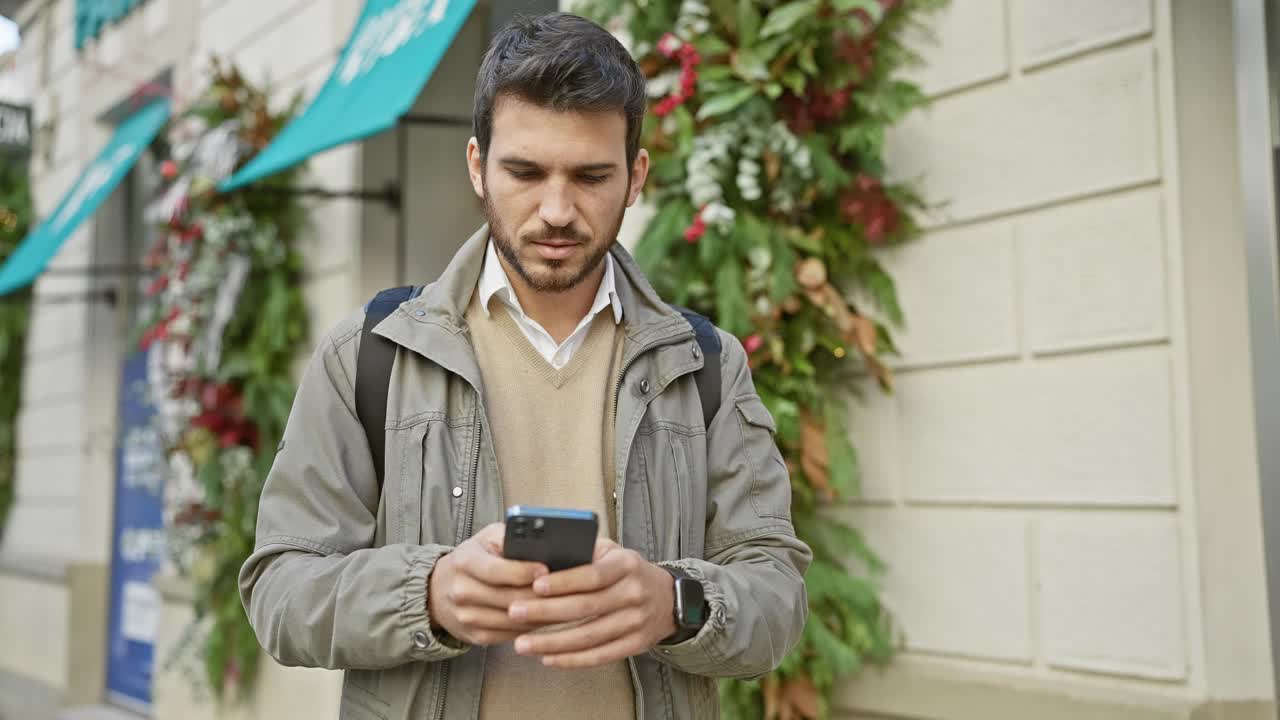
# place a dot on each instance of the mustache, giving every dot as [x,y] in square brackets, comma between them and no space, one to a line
[555,233]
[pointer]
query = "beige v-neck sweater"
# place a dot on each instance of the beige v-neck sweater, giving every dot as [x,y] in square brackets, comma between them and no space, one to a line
[553,434]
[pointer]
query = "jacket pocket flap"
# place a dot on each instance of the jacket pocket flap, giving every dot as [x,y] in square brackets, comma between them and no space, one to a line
[754,412]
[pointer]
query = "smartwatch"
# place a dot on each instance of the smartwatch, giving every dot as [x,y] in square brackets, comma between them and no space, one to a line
[690,607]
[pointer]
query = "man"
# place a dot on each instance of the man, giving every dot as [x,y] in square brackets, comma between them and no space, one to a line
[541,368]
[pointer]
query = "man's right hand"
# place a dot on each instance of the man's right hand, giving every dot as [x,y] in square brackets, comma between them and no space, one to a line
[472,587]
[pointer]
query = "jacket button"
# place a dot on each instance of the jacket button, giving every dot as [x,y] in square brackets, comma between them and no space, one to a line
[420,639]
[420,313]
[457,492]
[696,352]
[644,386]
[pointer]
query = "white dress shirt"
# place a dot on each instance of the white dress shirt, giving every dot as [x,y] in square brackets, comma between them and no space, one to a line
[494,281]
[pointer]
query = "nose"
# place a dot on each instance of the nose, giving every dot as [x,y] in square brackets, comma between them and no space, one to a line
[557,208]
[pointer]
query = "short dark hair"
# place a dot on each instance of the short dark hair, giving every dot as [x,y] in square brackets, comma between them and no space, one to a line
[563,62]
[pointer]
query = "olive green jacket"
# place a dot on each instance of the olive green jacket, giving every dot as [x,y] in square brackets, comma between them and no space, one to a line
[339,575]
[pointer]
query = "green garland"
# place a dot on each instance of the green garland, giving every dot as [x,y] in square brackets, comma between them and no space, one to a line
[230,408]
[767,132]
[15,311]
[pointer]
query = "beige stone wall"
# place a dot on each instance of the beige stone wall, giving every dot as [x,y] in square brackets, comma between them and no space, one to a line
[42,646]
[1063,484]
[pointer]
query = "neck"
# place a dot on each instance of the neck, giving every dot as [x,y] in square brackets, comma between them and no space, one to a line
[557,312]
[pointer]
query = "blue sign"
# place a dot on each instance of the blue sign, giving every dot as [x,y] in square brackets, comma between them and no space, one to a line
[391,53]
[138,543]
[93,15]
[93,186]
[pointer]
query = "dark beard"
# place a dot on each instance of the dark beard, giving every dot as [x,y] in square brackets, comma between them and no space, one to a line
[554,283]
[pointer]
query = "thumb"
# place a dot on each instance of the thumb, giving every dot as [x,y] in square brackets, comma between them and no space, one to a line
[604,546]
[491,537]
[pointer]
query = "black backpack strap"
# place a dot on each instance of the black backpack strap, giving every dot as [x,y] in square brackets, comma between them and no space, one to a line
[373,372]
[708,378]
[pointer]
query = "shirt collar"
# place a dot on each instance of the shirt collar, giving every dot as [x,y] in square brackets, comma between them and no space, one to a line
[494,281]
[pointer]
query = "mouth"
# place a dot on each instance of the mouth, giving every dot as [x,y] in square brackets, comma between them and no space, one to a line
[555,249]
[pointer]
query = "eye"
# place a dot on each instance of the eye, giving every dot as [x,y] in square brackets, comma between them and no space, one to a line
[524,174]
[594,179]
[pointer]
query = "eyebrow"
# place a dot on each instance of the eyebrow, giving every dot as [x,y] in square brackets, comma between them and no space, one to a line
[512,161]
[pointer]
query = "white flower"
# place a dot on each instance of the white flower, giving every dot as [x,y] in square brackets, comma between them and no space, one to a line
[703,194]
[718,214]
[694,7]
[803,159]
[669,44]
[663,84]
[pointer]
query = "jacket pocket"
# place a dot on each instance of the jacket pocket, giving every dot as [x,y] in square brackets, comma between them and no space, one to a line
[671,486]
[680,471]
[443,498]
[770,481]
[691,497]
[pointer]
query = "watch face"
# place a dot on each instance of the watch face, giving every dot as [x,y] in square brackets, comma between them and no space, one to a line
[691,603]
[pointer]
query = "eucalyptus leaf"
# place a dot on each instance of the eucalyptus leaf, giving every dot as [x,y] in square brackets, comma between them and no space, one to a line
[806,58]
[805,242]
[750,64]
[684,130]
[748,22]
[714,72]
[795,81]
[710,247]
[722,104]
[726,11]
[769,49]
[709,45]
[872,8]
[785,17]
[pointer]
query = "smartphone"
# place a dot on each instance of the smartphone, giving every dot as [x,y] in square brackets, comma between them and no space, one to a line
[555,537]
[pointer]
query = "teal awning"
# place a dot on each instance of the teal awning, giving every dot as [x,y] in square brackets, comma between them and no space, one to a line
[390,55]
[89,190]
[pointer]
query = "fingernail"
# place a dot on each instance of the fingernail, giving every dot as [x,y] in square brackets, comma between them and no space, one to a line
[548,661]
[519,612]
[541,586]
[522,645]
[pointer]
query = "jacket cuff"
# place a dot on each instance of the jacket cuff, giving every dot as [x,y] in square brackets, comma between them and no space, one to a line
[424,643]
[698,655]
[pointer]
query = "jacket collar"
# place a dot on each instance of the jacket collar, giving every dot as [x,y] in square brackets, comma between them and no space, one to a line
[432,324]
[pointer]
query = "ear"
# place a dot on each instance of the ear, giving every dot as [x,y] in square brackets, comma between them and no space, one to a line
[475,166]
[639,172]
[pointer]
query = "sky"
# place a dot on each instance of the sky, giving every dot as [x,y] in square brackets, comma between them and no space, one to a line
[8,34]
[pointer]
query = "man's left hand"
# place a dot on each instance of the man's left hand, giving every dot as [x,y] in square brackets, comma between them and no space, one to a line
[626,603]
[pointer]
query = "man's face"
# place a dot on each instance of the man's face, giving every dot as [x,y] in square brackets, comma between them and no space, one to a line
[555,186]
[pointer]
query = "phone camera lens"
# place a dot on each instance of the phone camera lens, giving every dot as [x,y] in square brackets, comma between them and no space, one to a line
[538,523]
